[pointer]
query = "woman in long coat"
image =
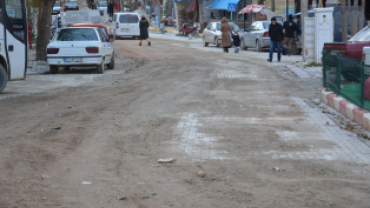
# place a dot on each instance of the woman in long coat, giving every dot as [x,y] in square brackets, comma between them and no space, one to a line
[144,35]
[226,32]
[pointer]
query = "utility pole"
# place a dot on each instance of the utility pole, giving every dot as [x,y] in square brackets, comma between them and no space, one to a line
[304,5]
[287,9]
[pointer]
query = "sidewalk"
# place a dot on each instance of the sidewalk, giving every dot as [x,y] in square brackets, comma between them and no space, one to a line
[169,30]
[36,67]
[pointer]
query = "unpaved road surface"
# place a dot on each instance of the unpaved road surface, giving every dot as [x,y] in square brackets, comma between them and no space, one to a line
[246,123]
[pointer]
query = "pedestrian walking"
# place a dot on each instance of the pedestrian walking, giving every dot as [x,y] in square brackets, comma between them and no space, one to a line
[277,36]
[226,32]
[144,35]
[212,16]
[236,41]
[290,28]
[110,9]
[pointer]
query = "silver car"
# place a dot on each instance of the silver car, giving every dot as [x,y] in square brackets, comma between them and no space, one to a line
[56,8]
[212,33]
[102,5]
[257,36]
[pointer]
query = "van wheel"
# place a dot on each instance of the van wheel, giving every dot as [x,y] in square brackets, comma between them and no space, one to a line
[101,68]
[205,44]
[3,78]
[54,69]
[295,50]
[111,64]
[216,42]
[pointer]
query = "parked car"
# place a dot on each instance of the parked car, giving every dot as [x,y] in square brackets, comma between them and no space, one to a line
[71,5]
[212,33]
[102,5]
[125,25]
[98,25]
[337,17]
[352,49]
[56,24]
[56,8]
[84,46]
[257,36]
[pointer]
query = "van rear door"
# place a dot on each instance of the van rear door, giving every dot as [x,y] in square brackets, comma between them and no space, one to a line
[129,24]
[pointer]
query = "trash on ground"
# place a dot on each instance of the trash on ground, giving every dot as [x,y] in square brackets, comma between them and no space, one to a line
[86,183]
[169,160]
[201,174]
[121,198]
[277,169]
[57,128]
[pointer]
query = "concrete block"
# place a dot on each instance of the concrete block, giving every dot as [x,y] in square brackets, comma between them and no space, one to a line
[366,117]
[324,96]
[342,106]
[336,100]
[359,115]
[331,99]
[350,108]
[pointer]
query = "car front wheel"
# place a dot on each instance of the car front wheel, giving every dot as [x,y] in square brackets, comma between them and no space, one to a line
[101,68]
[205,44]
[216,42]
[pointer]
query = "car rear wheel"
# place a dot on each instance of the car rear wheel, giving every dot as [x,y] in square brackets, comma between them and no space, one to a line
[101,68]
[111,65]
[205,44]
[3,78]
[67,68]
[54,69]
[258,47]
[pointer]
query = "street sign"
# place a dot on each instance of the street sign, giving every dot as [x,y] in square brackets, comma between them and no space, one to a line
[231,7]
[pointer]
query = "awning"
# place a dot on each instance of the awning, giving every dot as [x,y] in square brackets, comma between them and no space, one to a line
[222,4]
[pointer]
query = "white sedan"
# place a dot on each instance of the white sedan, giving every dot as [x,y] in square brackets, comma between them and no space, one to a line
[76,47]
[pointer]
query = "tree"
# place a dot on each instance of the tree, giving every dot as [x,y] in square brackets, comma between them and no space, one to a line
[344,21]
[362,15]
[273,5]
[200,2]
[354,23]
[43,28]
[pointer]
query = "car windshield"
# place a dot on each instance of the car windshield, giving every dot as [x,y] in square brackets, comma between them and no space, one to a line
[103,4]
[233,26]
[76,34]
[266,25]
[56,4]
[363,35]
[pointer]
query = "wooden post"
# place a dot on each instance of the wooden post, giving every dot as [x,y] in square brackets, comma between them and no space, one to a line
[363,4]
[287,9]
[304,5]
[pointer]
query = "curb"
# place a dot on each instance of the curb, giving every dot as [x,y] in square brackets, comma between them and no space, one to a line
[351,111]
[169,31]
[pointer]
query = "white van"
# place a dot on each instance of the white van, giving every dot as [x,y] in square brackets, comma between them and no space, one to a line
[126,25]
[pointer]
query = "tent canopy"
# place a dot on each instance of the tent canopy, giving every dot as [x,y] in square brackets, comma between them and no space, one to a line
[254,8]
[222,4]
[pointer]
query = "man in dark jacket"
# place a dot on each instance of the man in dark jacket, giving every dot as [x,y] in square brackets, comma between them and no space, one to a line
[110,9]
[290,28]
[144,35]
[277,36]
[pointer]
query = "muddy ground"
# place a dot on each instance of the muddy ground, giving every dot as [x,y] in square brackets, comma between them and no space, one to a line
[246,123]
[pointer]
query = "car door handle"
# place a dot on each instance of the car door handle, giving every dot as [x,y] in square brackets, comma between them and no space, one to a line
[11,48]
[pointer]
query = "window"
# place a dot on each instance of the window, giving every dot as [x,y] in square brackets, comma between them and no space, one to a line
[102,36]
[104,31]
[14,12]
[56,4]
[103,4]
[234,27]
[218,26]
[128,18]
[209,26]
[76,34]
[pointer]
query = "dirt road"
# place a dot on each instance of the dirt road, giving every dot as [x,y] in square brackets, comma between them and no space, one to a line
[84,140]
